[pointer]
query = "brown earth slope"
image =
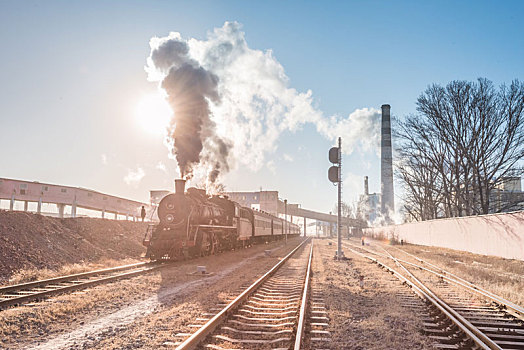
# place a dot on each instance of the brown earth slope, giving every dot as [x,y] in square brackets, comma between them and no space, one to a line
[32,241]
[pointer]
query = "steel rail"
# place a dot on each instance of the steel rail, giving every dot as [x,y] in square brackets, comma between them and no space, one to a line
[37,295]
[465,326]
[427,294]
[304,302]
[515,309]
[478,333]
[196,338]
[39,283]
[466,284]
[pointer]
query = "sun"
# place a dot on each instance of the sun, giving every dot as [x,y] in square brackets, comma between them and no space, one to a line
[153,113]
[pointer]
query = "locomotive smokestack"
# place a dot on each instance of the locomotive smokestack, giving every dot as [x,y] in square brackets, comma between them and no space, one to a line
[366,188]
[386,165]
[180,186]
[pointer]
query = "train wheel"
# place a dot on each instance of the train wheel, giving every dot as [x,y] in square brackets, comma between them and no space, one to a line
[209,244]
[205,245]
[215,244]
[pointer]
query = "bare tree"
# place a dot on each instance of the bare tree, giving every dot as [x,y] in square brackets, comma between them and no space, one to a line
[346,210]
[464,141]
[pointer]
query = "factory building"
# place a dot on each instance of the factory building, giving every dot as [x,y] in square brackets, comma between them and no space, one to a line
[508,196]
[266,201]
[369,208]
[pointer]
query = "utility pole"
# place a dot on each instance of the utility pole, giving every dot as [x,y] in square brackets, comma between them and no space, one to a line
[335,176]
[285,213]
[349,232]
[304,226]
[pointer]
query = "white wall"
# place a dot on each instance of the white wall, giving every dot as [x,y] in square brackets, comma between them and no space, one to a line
[497,234]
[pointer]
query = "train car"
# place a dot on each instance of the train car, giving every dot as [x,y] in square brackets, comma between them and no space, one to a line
[278,227]
[245,224]
[195,224]
[263,224]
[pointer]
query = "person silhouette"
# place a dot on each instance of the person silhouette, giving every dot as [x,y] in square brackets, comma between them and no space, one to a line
[143,213]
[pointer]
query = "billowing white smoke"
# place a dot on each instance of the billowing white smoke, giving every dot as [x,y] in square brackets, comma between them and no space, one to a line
[254,103]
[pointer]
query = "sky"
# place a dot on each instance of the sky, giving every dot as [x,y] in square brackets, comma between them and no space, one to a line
[75,95]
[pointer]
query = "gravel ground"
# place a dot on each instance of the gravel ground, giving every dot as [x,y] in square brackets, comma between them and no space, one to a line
[369,317]
[142,312]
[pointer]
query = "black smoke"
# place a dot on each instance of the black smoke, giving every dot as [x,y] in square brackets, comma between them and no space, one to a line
[190,88]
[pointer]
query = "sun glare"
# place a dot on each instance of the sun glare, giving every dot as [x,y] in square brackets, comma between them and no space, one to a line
[153,113]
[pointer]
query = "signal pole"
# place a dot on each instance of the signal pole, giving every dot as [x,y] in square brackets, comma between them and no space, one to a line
[335,176]
[340,254]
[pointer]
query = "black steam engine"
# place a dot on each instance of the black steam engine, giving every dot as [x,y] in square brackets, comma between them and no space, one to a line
[195,224]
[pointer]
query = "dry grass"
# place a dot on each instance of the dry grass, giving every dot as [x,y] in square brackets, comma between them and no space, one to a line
[71,309]
[504,277]
[28,275]
[368,318]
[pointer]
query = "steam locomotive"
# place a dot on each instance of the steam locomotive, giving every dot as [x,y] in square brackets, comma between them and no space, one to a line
[195,224]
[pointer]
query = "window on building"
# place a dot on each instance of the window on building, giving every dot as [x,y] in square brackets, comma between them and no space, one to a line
[63,190]
[23,186]
[104,198]
[243,198]
[89,194]
[22,191]
[255,198]
[45,188]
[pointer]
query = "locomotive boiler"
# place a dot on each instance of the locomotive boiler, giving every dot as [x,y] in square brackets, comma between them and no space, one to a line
[193,223]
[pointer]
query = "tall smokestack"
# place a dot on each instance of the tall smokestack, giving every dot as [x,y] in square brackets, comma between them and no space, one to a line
[366,188]
[180,186]
[386,165]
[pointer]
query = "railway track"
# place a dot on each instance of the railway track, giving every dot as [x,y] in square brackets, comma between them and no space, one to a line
[272,313]
[457,314]
[24,293]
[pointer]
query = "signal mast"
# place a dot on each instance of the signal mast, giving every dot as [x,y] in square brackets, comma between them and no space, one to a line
[335,176]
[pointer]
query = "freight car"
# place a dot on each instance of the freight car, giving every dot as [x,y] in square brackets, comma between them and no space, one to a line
[195,224]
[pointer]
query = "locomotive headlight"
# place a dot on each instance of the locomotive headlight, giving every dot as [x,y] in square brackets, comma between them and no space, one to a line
[170,205]
[170,218]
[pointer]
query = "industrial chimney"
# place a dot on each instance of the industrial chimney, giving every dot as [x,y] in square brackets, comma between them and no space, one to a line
[180,186]
[366,188]
[386,165]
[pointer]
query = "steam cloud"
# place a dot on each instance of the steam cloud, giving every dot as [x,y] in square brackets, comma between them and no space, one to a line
[231,103]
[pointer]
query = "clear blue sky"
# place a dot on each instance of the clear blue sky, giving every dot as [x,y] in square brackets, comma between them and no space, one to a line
[71,73]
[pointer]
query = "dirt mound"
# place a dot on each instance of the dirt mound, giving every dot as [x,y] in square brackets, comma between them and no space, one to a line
[32,241]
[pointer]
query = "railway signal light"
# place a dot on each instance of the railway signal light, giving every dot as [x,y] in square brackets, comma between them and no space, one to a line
[333,174]
[334,171]
[334,155]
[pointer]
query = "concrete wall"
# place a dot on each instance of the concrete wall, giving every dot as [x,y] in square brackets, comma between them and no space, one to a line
[497,234]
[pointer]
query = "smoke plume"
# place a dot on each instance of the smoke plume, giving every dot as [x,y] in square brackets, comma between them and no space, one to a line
[231,103]
[190,88]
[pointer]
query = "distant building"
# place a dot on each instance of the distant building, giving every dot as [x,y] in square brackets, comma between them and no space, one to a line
[369,207]
[508,196]
[511,184]
[155,196]
[369,204]
[266,201]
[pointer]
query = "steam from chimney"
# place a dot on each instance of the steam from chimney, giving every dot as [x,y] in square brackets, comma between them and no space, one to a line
[231,103]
